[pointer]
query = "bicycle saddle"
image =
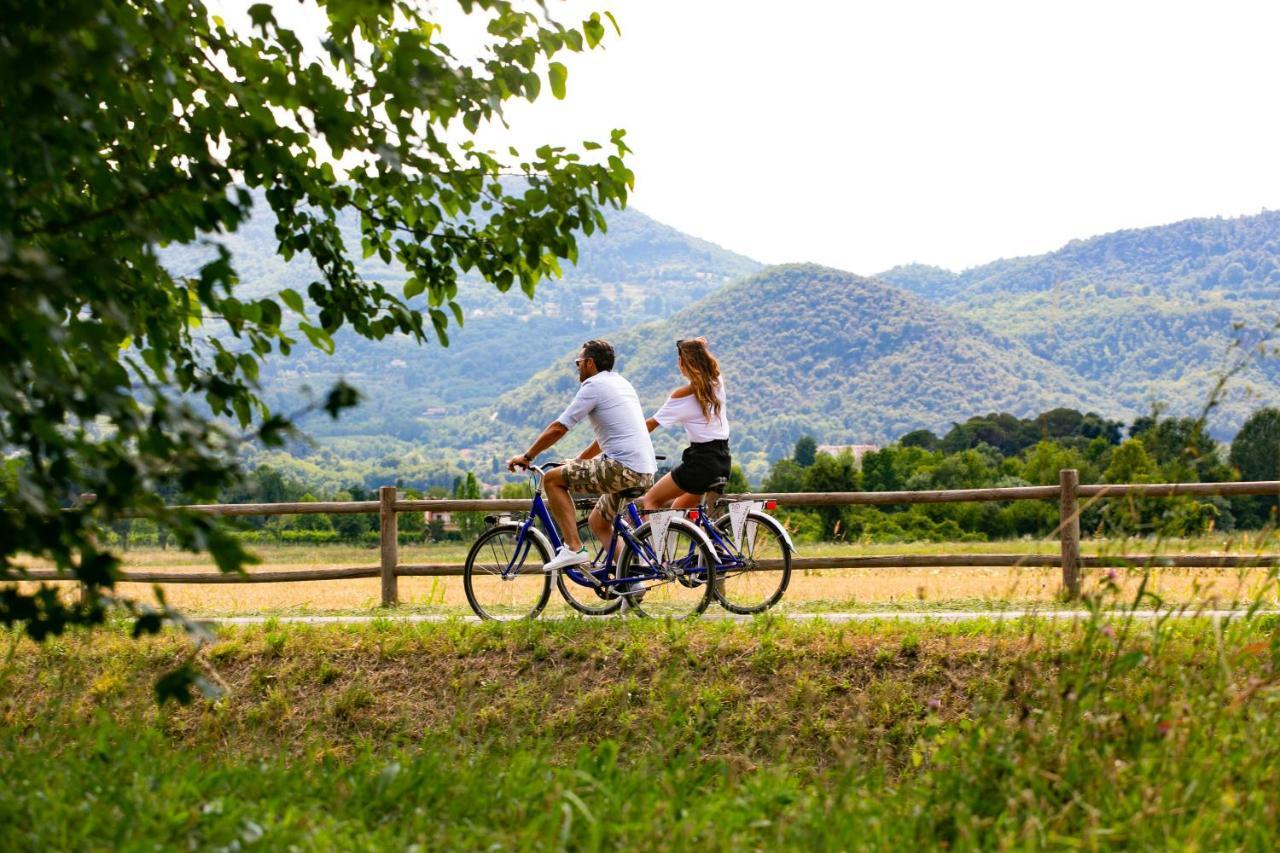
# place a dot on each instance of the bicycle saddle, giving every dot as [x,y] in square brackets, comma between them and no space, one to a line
[632,494]
[718,485]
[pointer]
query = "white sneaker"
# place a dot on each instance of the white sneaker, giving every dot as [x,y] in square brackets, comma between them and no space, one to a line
[565,558]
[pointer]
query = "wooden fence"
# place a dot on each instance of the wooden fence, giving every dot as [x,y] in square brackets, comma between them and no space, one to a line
[1067,494]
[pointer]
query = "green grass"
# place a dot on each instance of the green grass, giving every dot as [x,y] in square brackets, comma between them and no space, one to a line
[586,735]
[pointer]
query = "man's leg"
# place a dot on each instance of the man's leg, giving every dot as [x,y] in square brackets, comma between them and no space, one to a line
[600,526]
[560,502]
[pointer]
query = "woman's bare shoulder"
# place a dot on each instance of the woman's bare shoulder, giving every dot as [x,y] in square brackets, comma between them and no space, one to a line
[682,391]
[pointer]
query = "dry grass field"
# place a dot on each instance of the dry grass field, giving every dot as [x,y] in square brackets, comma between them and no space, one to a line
[843,589]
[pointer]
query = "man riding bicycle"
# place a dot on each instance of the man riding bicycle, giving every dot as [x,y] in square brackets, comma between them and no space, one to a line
[626,459]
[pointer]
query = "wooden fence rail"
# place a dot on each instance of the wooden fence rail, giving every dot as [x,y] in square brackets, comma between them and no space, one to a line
[1067,493]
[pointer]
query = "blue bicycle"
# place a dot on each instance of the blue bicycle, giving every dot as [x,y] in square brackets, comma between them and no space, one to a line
[504,580]
[752,571]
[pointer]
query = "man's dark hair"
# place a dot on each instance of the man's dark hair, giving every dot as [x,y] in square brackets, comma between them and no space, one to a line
[601,352]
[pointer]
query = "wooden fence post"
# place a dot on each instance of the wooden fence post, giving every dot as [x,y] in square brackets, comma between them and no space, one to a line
[388,536]
[1069,531]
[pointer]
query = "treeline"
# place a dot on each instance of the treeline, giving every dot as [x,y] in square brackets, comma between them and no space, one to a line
[1001,450]
[994,450]
[267,484]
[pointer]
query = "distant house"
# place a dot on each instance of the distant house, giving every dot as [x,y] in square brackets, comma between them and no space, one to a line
[855,450]
[447,522]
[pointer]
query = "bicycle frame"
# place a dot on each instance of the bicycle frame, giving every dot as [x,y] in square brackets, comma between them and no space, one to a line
[598,574]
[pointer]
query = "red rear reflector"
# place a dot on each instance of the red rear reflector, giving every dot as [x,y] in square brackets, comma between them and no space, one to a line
[770,504]
[693,515]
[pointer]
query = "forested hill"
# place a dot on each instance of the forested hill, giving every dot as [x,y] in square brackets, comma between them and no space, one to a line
[808,349]
[637,271]
[1152,316]
[1209,258]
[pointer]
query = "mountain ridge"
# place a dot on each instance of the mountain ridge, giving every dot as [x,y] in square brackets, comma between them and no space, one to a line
[834,363]
[1237,254]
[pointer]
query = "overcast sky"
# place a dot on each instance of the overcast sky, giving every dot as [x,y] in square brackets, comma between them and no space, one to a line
[869,134]
[864,135]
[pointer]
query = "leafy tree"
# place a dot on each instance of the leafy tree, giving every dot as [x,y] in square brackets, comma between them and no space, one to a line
[1255,454]
[1046,461]
[878,472]
[511,491]
[352,527]
[412,523]
[1182,448]
[806,451]
[1003,431]
[970,469]
[470,524]
[136,124]
[922,438]
[785,476]
[737,481]
[1130,463]
[831,474]
[306,522]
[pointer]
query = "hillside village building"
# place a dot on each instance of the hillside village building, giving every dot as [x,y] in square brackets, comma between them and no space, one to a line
[857,451]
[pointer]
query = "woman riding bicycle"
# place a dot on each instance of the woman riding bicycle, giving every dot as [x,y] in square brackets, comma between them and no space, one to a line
[699,407]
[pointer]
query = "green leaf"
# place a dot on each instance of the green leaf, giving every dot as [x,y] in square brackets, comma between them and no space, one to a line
[320,339]
[441,322]
[557,74]
[413,286]
[593,30]
[294,301]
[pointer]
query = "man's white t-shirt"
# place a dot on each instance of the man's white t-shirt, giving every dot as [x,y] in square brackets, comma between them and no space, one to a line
[686,411]
[618,421]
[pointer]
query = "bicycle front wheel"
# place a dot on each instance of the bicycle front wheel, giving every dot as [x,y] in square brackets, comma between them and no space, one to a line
[503,577]
[674,578]
[753,576]
[585,597]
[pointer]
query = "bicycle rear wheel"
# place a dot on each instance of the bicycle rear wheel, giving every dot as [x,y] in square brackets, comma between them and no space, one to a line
[586,598]
[503,577]
[753,577]
[685,572]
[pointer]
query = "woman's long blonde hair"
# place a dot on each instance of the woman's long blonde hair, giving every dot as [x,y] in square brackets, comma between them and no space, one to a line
[704,374]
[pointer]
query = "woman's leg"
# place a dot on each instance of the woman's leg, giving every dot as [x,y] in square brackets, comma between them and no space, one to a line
[662,493]
[687,501]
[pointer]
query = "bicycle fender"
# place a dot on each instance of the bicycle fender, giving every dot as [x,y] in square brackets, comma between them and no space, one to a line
[686,525]
[770,521]
[533,531]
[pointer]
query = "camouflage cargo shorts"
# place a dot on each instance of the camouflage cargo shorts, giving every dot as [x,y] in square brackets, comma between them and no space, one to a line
[605,477]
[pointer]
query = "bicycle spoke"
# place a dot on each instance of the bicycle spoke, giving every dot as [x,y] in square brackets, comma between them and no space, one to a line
[679,588]
[495,593]
[756,574]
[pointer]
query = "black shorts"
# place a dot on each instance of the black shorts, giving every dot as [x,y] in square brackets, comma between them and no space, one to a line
[701,465]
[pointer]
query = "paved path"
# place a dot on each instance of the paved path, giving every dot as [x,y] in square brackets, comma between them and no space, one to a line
[865,616]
